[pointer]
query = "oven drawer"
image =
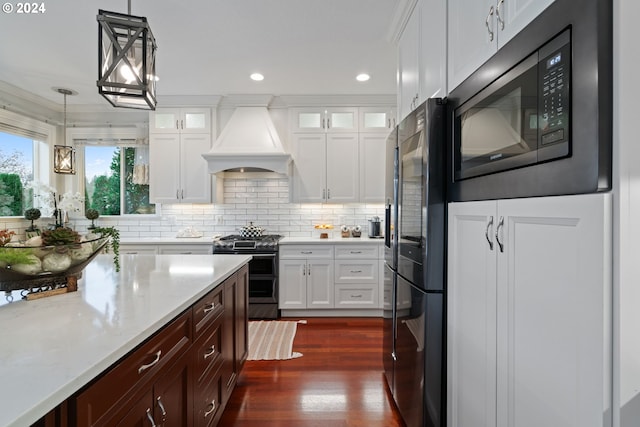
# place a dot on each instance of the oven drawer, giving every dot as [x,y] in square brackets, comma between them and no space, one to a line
[305,252]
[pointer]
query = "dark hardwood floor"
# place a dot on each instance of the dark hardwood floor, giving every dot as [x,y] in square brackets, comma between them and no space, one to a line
[338,381]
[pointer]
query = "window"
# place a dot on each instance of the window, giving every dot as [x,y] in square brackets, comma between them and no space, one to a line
[24,158]
[116,179]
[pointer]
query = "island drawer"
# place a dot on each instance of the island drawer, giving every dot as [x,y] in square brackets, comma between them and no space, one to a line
[137,368]
[208,402]
[207,356]
[207,309]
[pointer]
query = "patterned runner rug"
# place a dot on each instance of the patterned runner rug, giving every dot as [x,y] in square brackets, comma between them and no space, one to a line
[272,340]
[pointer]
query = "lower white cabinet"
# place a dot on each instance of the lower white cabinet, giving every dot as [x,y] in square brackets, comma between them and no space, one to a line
[529,312]
[306,283]
[340,276]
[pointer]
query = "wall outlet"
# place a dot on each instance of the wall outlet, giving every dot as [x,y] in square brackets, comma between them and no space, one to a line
[219,220]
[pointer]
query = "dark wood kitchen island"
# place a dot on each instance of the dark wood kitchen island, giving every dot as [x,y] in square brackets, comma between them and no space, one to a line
[165,338]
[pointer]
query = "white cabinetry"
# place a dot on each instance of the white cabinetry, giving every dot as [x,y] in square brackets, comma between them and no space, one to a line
[325,168]
[183,120]
[357,276]
[178,172]
[477,29]
[324,120]
[376,119]
[529,312]
[306,277]
[422,56]
[372,147]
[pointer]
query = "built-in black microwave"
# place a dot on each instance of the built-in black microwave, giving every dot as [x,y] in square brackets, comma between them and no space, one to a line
[522,118]
[536,118]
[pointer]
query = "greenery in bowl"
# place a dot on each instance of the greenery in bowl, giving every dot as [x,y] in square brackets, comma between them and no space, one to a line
[32,215]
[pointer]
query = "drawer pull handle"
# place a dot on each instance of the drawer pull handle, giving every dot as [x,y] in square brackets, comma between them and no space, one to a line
[356,271]
[356,296]
[209,307]
[356,252]
[306,252]
[161,406]
[153,423]
[211,405]
[211,352]
[156,360]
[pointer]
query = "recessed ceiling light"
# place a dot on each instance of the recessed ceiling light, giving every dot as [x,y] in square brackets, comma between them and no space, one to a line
[362,77]
[257,77]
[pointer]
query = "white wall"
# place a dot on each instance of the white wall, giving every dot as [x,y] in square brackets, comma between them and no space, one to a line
[626,259]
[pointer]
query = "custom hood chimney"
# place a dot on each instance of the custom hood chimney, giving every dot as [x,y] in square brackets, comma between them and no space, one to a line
[249,141]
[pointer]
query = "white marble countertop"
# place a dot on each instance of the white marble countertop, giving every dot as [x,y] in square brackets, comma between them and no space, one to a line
[205,240]
[53,346]
[330,241]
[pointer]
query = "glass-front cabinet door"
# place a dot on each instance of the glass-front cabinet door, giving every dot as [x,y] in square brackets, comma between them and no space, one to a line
[374,119]
[325,120]
[183,120]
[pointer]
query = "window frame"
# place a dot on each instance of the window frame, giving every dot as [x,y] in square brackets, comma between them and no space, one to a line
[76,136]
[42,149]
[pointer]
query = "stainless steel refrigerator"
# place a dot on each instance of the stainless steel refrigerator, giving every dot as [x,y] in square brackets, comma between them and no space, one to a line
[414,274]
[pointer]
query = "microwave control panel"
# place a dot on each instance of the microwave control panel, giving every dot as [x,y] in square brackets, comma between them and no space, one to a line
[554,100]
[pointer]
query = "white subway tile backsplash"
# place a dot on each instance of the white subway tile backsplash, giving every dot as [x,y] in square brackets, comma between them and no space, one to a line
[264,201]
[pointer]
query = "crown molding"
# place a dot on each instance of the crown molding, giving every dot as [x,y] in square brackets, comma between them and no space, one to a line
[402,13]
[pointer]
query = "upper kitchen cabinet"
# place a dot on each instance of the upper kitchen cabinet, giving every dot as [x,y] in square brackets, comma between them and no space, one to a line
[324,120]
[422,56]
[377,119]
[372,148]
[178,173]
[477,29]
[325,168]
[180,120]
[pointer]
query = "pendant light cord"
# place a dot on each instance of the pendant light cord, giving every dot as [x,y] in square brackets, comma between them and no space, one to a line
[64,130]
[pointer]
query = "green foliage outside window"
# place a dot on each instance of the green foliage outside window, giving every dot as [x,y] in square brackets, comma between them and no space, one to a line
[11,195]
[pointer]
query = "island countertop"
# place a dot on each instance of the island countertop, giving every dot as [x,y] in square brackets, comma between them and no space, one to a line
[53,346]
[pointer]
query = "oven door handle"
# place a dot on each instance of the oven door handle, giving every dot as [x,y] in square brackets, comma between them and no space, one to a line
[261,255]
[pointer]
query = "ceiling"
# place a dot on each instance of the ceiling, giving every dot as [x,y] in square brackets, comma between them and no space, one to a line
[210,47]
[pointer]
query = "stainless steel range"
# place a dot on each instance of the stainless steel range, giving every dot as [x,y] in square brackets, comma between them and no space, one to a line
[263,270]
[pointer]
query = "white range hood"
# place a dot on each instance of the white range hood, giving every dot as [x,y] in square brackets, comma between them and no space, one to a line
[249,141]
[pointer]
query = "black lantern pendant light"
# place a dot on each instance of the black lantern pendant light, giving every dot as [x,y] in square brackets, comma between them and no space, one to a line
[126,60]
[64,156]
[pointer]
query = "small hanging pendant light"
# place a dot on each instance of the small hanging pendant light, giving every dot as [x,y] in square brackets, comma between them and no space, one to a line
[64,156]
[126,60]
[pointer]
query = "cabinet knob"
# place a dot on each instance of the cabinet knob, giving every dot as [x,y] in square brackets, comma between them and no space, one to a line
[498,16]
[149,365]
[486,233]
[150,417]
[210,408]
[498,228]
[161,406]
[209,307]
[486,22]
[211,352]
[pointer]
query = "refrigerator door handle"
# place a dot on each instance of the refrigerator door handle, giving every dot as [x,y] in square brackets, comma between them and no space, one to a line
[387,225]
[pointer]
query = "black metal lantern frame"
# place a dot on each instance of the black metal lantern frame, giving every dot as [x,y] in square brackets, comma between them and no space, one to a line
[126,60]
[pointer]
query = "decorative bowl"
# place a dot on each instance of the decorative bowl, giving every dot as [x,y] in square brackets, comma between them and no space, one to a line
[39,268]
